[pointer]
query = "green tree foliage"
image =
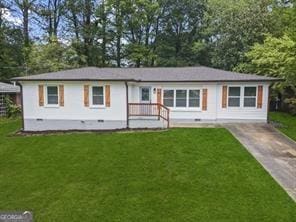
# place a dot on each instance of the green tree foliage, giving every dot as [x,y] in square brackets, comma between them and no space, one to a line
[140,23]
[276,57]
[11,57]
[53,56]
[234,26]
[182,27]
[140,33]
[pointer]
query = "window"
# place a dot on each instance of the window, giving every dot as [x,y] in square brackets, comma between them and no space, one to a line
[250,96]
[145,94]
[98,95]
[181,98]
[52,95]
[168,98]
[234,97]
[194,98]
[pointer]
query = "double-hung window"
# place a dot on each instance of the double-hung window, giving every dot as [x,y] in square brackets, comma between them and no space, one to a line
[250,96]
[52,95]
[181,98]
[168,98]
[97,95]
[234,96]
[194,98]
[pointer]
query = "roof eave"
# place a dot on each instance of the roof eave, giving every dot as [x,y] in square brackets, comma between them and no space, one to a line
[133,80]
[74,80]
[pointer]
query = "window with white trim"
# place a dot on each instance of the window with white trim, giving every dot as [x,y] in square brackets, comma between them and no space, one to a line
[250,93]
[52,95]
[181,98]
[97,95]
[168,98]
[194,98]
[234,93]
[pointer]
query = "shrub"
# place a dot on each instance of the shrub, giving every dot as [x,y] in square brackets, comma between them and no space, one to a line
[12,110]
[291,105]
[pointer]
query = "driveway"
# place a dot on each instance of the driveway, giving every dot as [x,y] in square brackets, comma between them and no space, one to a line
[275,152]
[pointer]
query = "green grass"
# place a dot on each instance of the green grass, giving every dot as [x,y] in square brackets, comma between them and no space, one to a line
[287,123]
[176,175]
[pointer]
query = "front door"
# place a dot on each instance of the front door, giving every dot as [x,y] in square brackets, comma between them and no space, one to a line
[145,99]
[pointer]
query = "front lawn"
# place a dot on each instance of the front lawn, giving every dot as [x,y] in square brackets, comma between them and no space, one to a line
[285,122]
[176,175]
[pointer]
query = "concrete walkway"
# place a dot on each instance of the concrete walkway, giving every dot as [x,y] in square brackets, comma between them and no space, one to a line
[275,152]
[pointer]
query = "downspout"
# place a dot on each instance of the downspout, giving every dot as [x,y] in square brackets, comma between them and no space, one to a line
[268,103]
[127,108]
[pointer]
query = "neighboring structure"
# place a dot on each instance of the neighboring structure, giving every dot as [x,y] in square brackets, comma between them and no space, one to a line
[11,91]
[114,98]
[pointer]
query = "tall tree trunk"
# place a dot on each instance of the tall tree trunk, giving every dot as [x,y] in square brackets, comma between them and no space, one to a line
[87,31]
[118,18]
[26,6]
[104,33]
[155,40]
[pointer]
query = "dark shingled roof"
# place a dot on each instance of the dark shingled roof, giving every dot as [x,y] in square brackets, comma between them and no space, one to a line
[174,74]
[8,88]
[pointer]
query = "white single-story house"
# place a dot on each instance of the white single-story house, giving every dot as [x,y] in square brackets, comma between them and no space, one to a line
[116,98]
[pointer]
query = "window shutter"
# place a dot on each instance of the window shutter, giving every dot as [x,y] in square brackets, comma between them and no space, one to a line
[159,96]
[61,93]
[107,96]
[204,99]
[86,95]
[41,95]
[224,96]
[260,97]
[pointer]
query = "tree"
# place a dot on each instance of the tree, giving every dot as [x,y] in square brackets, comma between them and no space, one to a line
[11,56]
[276,57]
[51,12]
[234,26]
[82,19]
[181,26]
[25,6]
[140,28]
[53,56]
[11,43]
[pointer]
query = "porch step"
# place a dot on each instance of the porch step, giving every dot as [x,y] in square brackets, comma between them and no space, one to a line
[147,123]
